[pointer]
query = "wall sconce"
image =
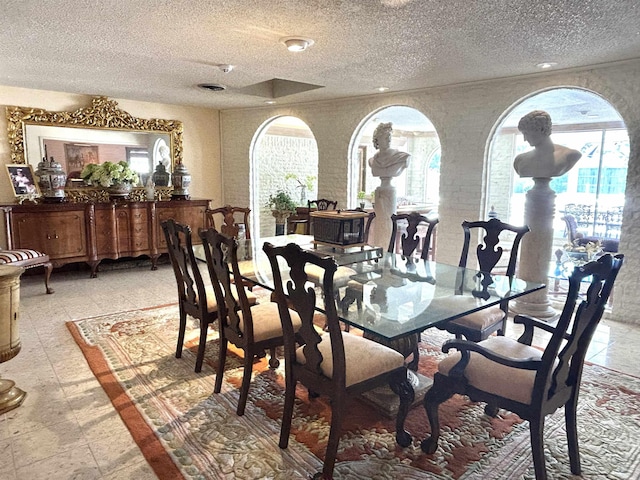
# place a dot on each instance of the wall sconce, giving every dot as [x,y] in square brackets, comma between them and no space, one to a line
[297,44]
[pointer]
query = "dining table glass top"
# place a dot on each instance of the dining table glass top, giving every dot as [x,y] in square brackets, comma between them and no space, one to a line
[388,294]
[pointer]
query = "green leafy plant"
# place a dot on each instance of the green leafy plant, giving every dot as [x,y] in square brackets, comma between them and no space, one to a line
[108,174]
[361,195]
[281,201]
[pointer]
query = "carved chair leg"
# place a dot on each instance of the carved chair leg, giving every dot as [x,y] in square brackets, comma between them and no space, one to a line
[403,388]
[273,359]
[491,410]
[536,430]
[222,358]
[181,330]
[572,433]
[337,413]
[48,268]
[439,392]
[246,382]
[202,343]
[287,411]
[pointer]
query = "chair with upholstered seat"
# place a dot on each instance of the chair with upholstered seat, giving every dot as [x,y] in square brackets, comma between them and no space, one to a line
[336,364]
[489,252]
[532,383]
[253,328]
[576,238]
[194,297]
[228,224]
[28,258]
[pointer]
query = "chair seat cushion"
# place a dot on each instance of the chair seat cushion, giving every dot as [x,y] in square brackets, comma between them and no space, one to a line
[340,278]
[379,359]
[476,320]
[266,321]
[23,256]
[489,376]
[212,304]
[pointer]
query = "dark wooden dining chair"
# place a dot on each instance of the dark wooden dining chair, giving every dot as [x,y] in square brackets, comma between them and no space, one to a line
[228,224]
[251,327]
[532,383]
[329,363]
[415,239]
[194,297]
[488,253]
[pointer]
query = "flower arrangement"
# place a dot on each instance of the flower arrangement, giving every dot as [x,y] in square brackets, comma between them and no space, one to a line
[108,174]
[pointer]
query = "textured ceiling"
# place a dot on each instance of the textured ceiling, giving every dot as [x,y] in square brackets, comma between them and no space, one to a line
[160,50]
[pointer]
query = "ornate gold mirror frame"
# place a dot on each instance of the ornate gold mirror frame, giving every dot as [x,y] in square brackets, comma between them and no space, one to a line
[102,114]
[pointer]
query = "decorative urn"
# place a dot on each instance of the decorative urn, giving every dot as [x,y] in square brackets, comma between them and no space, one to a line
[161,176]
[181,179]
[51,180]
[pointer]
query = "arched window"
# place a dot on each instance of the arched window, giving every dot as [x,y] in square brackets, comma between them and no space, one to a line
[412,133]
[584,121]
[284,156]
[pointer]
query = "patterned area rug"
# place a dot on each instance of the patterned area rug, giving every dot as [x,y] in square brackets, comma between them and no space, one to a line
[184,430]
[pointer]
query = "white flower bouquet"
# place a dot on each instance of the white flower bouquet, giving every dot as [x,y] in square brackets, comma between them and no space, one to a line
[108,174]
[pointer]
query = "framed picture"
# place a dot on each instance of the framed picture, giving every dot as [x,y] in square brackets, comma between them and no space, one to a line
[22,179]
[80,155]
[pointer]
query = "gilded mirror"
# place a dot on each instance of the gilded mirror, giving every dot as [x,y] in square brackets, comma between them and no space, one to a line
[101,132]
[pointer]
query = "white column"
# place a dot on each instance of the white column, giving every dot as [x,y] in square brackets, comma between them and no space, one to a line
[385,206]
[535,251]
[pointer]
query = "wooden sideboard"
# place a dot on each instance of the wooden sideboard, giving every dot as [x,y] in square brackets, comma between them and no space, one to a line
[91,232]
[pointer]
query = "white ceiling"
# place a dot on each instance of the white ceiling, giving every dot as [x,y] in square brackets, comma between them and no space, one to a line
[160,50]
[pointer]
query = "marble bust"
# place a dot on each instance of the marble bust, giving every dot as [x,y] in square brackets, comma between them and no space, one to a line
[546,159]
[387,162]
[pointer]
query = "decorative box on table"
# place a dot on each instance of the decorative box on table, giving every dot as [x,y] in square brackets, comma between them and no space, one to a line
[338,227]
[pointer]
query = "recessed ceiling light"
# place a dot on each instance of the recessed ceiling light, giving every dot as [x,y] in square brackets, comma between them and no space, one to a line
[297,44]
[382,89]
[545,65]
[214,87]
[270,102]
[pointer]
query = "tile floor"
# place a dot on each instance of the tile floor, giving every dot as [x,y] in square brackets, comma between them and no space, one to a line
[67,428]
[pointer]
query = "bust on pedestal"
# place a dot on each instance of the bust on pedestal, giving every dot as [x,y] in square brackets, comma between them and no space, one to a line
[545,161]
[386,163]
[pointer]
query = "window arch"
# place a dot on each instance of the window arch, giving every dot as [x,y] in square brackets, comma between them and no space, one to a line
[413,133]
[582,120]
[284,155]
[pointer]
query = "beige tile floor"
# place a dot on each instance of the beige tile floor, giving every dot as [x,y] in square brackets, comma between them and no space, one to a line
[67,428]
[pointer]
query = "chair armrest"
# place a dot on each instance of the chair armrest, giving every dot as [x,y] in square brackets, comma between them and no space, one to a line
[529,324]
[465,347]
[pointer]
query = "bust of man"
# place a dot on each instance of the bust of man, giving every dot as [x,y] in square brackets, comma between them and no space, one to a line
[546,159]
[387,162]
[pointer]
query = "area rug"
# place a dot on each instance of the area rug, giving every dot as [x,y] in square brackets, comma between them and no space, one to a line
[186,431]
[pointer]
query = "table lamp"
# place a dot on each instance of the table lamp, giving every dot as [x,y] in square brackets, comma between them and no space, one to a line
[10,396]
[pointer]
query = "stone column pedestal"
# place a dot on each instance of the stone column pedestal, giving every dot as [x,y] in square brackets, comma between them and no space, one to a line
[535,251]
[384,206]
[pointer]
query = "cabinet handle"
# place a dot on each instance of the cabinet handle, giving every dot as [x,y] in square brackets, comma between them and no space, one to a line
[51,237]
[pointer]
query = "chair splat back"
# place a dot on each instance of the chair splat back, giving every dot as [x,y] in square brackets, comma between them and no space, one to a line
[322,204]
[410,240]
[229,226]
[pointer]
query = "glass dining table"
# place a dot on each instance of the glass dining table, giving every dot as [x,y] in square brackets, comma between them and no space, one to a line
[391,298]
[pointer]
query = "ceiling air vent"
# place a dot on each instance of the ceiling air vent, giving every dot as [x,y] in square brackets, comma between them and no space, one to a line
[214,87]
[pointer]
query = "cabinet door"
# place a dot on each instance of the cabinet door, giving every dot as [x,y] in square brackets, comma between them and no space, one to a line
[58,234]
[186,213]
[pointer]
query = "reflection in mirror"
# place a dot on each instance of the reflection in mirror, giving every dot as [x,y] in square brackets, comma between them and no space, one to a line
[74,148]
[99,133]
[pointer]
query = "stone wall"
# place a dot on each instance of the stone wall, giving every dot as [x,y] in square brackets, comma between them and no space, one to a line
[464,117]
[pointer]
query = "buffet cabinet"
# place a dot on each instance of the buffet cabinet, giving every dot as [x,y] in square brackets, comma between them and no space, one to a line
[91,232]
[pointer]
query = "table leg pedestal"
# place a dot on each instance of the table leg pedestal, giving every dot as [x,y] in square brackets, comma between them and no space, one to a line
[10,396]
[384,400]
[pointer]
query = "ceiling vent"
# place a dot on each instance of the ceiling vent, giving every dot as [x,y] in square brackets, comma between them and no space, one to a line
[214,87]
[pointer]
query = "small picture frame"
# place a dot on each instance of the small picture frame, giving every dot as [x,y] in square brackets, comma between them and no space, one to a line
[23,180]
